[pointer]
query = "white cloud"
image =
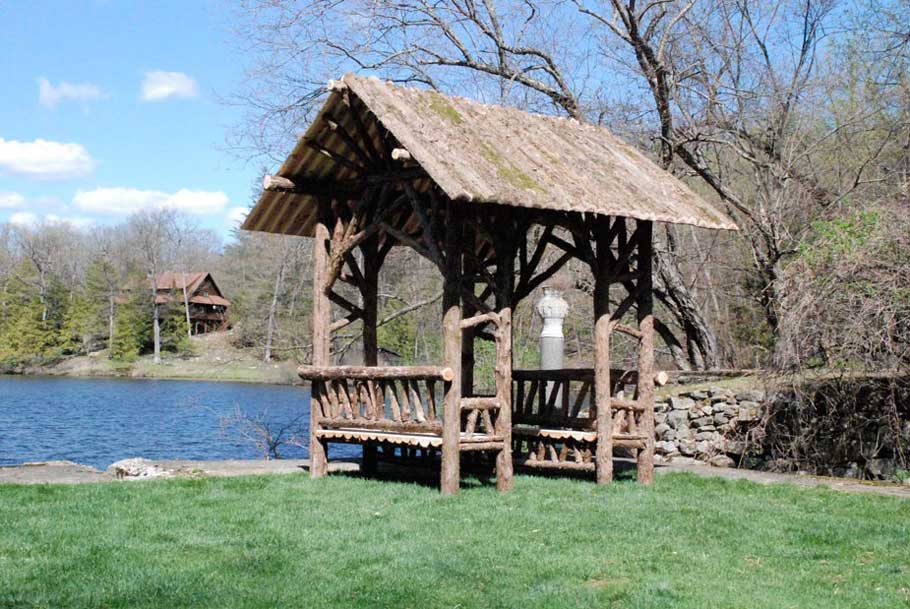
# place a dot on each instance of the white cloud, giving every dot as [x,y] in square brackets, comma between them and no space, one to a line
[49,95]
[23,218]
[9,200]
[159,85]
[236,216]
[45,160]
[129,200]
[74,221]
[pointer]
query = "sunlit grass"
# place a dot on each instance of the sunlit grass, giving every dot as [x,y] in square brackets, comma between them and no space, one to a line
[288,541]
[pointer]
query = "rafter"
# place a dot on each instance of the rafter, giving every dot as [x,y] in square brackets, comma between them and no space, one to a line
[523,290]
[428,236]
[337,158]
[344,303]
[335,126]
[362,128]
[348,188]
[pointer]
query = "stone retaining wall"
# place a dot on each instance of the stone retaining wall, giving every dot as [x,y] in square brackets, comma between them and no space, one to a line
[708,425]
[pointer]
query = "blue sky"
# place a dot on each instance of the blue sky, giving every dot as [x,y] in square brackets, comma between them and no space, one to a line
[111,106]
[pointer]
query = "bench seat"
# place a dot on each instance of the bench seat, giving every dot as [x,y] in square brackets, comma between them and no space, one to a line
[422,440]
[620,440]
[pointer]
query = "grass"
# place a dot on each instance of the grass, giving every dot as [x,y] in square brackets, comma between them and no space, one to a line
[287,541]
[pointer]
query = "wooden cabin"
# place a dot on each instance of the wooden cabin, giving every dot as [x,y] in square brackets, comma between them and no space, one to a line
[208,308]
[463,184]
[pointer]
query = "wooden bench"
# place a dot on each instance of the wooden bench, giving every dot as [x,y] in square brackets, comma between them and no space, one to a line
[397,409]
[554,419]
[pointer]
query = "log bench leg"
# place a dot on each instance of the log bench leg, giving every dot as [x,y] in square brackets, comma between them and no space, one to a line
[370,459]
[319,457]
[319,452]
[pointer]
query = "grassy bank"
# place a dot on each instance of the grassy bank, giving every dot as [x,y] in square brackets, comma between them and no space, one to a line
[287,541]
[213,358]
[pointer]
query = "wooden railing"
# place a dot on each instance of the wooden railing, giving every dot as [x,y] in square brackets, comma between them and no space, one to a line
[394,398]
[561,398]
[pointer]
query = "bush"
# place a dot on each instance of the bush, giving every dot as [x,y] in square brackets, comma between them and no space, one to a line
[848,294]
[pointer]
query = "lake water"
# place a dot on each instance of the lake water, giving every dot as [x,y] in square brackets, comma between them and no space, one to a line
[99,421]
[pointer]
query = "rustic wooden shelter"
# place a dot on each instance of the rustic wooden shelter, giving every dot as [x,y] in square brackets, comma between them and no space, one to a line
[462,184]
[206,306]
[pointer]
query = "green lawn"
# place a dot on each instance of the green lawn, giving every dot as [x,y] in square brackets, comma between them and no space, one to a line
[287,541]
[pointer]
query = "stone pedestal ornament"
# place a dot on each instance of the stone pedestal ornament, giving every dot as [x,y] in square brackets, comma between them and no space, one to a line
[552,309]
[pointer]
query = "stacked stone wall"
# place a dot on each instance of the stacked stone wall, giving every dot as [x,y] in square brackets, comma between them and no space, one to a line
[707,424]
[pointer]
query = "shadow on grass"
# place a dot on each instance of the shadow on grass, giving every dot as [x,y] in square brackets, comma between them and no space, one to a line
[476,473]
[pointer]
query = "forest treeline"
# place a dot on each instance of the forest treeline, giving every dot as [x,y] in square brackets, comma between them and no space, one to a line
[792,115]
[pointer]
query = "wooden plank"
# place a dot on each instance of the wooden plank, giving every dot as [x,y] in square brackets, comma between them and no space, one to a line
[481,403]
[381,425]
[402,373]
[478,446]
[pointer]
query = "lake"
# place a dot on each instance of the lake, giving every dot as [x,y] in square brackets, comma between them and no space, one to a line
[99,421]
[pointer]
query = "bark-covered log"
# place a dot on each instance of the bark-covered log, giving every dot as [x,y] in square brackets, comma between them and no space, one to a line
[323,373]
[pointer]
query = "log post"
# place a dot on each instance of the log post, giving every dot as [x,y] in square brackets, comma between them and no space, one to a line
[451,336]
[646,352]
[468,311]
[322,318]
[370,304]
[602,275]
[506,251]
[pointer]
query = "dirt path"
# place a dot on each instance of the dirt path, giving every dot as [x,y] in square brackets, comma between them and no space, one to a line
[67,472]
[837,484]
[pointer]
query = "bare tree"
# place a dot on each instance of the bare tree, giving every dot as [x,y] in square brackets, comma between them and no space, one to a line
[151,233]
[265,433]
[287,250]
[741,103]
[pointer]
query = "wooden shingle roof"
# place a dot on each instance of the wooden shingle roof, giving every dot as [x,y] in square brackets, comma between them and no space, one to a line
[483,154]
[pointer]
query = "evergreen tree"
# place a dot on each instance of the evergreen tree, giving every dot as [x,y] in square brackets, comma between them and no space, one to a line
[27,335]
[132,329]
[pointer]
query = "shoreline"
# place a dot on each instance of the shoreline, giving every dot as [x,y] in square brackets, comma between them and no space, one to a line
[69,472]
[142,377]
[233,370]
[50,373]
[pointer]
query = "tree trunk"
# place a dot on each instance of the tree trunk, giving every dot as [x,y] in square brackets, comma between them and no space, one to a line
[186,306]
[273,309]
[701,342]
[110,323]
[156,319]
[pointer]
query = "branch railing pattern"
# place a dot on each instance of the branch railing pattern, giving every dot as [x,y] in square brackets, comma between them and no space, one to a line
[395,399]
[554,417]
[561,398]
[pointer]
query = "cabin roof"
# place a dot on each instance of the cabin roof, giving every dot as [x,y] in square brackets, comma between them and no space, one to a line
[170,281]
[480,154]
[175,281]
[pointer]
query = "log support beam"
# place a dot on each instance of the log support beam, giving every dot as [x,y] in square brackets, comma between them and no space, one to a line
[645,387]
[506,253]
[450,473]
[322,319]
[370,300]
[602,394]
